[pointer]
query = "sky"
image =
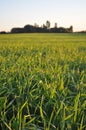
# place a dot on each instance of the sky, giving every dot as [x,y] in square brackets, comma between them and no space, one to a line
[18,13]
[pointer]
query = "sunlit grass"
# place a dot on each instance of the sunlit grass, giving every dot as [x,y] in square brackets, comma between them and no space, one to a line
[43,82]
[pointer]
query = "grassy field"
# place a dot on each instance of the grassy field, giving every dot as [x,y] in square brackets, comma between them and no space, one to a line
[43,82]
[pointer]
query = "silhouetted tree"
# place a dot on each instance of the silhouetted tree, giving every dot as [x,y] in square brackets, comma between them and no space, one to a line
[71,28]
[55,25]
[29,28]
[36,25]
[17,30]
[48,24]
[45,28]
[2,32]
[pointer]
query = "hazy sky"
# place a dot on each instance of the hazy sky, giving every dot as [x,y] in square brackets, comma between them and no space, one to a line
[17,13]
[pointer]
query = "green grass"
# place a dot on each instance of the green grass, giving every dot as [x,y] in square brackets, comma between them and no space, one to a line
[43,82]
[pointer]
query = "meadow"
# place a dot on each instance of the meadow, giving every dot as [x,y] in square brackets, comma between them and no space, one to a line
[43,81]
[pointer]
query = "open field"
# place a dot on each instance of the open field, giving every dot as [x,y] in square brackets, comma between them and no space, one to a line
[43,82]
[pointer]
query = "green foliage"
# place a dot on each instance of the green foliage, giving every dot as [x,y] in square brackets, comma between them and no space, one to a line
[43,82]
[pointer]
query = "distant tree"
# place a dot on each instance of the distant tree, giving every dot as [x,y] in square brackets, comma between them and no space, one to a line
[55,25]
[17,30]
[44,26]
[48,24]
[71,29]
[2,32]
[82,31]
[29,28]
[36,25]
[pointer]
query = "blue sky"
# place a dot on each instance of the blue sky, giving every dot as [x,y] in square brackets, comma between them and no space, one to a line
[17,13]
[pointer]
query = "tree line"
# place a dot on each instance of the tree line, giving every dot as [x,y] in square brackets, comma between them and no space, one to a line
[45,28]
